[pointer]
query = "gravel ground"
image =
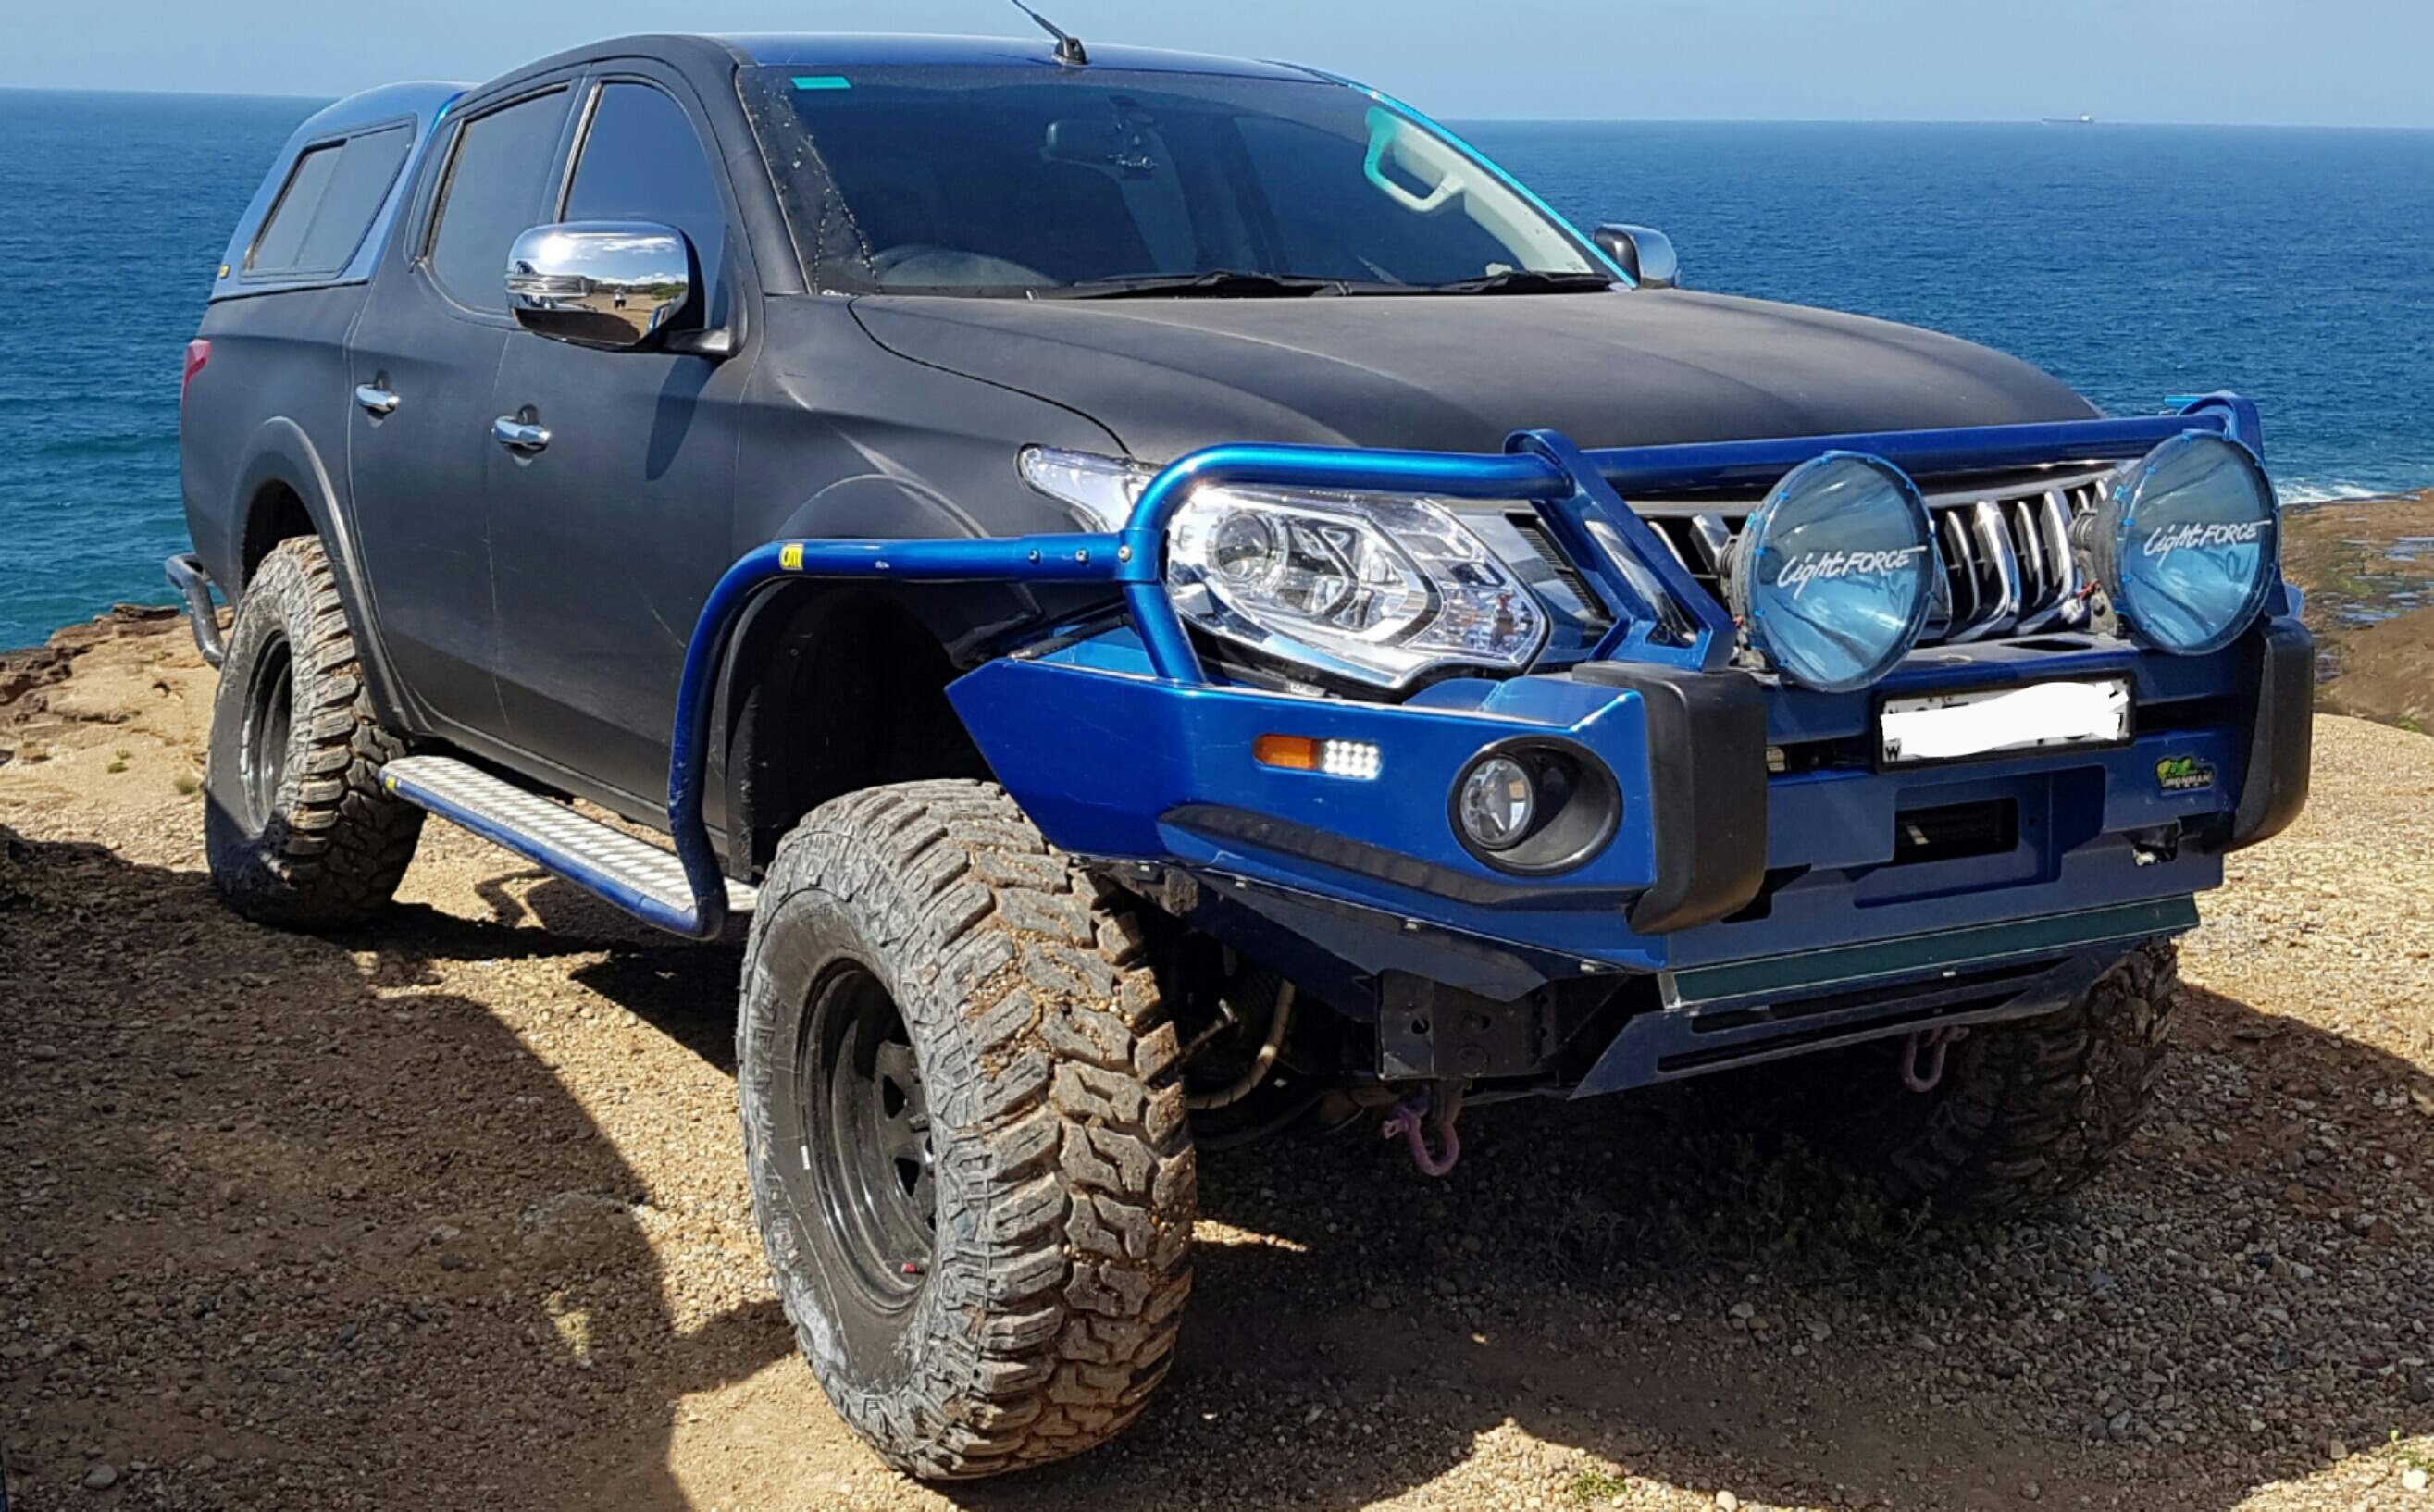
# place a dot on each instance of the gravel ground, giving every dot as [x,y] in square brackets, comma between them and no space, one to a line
[451,1212]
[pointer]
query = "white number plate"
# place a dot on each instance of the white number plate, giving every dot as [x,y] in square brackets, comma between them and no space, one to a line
[1950,726]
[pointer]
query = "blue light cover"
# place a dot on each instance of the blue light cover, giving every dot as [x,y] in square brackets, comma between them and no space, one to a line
[1833,576]
[2187,544]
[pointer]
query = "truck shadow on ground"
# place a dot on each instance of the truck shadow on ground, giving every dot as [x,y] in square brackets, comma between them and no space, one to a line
[289,1230]
[369,1250]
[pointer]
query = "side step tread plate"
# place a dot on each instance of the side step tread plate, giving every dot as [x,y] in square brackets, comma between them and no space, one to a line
[594,857]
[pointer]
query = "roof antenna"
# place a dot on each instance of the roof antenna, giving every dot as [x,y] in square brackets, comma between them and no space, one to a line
[1068,47]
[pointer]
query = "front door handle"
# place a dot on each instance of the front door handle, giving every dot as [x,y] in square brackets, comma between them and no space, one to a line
[376,401]
[519,435]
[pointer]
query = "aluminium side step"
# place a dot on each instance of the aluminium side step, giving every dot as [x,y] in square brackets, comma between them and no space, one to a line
[633,874]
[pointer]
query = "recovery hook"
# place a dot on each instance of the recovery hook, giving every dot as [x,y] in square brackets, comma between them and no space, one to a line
[1931,1043]
[1410,1119]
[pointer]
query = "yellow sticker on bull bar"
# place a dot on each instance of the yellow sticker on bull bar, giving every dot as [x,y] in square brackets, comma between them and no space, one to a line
[790,557]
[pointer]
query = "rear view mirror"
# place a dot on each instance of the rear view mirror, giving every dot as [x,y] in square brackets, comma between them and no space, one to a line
[610,284]
[1113,142]
[1643,252]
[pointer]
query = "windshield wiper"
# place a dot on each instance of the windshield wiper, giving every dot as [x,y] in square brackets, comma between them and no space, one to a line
[1221,284]
[1525,281]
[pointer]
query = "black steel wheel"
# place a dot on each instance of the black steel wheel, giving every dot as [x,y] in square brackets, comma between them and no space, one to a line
[855,1107]
[269,722]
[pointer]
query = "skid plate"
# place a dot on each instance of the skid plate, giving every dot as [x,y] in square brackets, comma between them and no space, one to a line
[601,860]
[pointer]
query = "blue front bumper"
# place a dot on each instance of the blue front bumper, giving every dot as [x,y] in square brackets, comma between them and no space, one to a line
[1120,765]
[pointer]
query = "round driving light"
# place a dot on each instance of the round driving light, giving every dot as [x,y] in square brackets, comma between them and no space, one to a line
[1499,800]
[2186,544]
[1833,576]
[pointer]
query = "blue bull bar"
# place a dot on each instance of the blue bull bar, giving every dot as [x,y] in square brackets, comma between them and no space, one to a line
[1580,493]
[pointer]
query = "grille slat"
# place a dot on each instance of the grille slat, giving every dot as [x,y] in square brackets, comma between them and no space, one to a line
[2009,570]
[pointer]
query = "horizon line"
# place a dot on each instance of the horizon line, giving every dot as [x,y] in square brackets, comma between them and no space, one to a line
[1460,117]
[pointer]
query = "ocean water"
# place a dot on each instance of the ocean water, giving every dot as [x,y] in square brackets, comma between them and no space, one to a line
[2135,261]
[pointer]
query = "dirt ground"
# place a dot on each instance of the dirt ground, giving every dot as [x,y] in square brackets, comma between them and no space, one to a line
[450,1213]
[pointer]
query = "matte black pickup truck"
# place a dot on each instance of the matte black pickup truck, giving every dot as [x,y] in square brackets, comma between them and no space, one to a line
[1186,605]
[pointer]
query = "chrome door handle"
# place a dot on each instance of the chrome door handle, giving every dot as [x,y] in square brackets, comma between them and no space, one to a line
[516,436]
[375,401]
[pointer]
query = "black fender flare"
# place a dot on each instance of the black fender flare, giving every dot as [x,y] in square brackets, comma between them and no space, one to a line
[280,453]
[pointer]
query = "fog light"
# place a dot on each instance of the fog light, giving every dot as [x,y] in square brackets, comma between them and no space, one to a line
[1499,801]
[1535,806]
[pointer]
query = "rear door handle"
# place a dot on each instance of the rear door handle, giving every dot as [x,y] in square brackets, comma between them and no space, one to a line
[518,436]
[375,401]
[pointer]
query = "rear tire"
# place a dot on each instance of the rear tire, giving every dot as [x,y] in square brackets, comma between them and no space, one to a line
[297,828]
[972,1172]
[2027,1112]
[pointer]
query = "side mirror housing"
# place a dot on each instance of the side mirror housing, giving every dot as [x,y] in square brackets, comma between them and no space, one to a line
[613,285]
[1642,251]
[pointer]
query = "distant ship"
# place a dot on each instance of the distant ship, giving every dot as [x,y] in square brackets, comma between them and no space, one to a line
[2071,120]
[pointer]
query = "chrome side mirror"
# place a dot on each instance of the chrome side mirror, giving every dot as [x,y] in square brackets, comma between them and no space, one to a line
[1643,252]
[610,284]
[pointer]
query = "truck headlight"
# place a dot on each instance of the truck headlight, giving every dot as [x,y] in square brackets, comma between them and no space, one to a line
[1833,576]
[2186,544]
[1375,589]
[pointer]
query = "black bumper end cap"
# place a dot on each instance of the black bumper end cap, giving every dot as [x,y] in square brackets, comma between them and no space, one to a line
[1707,777]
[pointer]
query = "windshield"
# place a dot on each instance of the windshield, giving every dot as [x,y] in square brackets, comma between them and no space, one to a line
[1013,180]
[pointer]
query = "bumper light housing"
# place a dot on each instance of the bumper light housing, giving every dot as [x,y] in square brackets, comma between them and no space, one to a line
[1535,807]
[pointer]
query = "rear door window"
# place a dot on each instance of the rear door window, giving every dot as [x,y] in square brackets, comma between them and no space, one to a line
[495,193]
[642,161]
[331,199]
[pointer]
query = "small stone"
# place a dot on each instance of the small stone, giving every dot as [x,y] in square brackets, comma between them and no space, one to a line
[46,1051]
[1380,1302]
[1744,1311]
[101,1477]
[1920,1341]
[1820,1330]
[2412,1480]
[1727,1501]
[2337,1451]
[2031,1490]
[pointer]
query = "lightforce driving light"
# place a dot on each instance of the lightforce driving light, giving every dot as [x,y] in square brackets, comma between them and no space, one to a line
[1833,576]
[2186,544]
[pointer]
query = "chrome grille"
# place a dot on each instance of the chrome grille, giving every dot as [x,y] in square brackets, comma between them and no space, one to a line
[2008,566]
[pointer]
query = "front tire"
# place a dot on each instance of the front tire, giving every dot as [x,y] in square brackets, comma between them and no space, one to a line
[296,827]
[2027,1111]
[973,1175]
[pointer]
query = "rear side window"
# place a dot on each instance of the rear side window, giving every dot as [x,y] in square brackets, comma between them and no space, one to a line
[642,161]
[494,194]
[328,204]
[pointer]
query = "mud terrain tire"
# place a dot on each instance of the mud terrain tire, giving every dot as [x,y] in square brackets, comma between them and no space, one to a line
[297,828]
[973,1174]
[2027,1111]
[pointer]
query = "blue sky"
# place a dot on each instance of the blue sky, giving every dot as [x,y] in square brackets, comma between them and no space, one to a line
[2349,62]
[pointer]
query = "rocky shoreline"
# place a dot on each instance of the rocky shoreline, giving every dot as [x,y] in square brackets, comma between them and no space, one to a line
[2368,568]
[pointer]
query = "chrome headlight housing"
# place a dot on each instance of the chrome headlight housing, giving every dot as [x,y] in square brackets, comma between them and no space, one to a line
[2186,544]
[1834,574]
[1375,589]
